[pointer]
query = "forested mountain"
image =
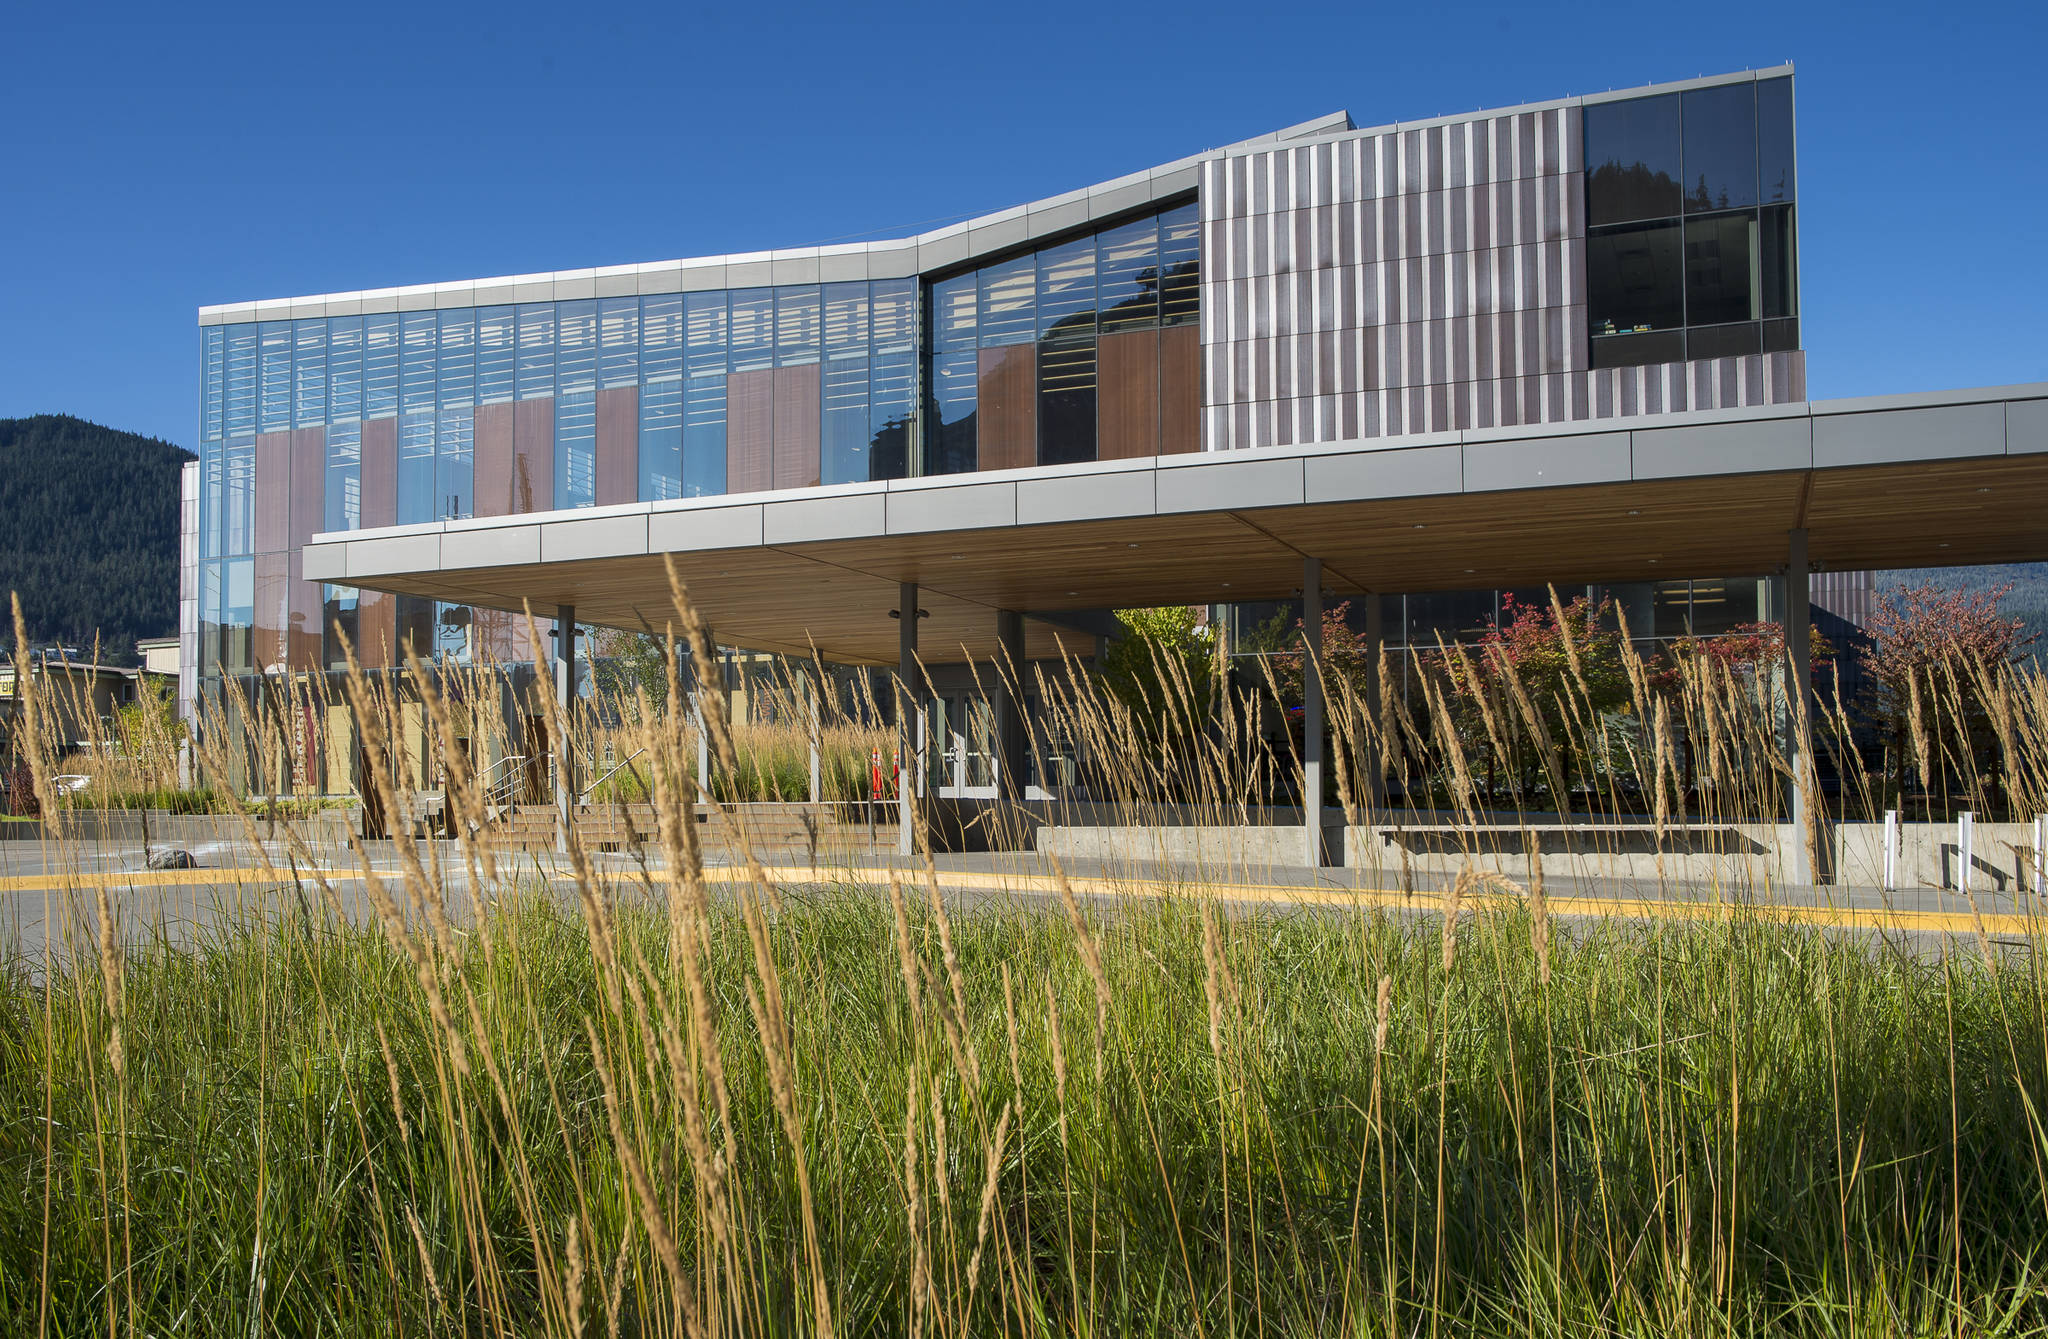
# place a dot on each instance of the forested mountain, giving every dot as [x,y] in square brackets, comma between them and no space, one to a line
[88,533]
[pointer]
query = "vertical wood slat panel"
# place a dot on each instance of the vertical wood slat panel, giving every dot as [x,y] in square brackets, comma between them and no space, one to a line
[272,612]
[376,629]
[749,431]
[1127,398]
[797,426]
[1006,412]
[304,640]
[531,484]
[493,490]
[272,521]
[380,472]
[309,479]
[618,445]
[1180,389]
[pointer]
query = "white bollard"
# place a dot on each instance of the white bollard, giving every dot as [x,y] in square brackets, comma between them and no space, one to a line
[1966,830]
[1891,850]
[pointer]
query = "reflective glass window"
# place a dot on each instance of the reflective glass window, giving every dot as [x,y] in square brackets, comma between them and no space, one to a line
[661,337]
[1635,279]
[455,462]
[618,322]
[797,330]
[844,448]
[274,374]
[1066,289]
[707,320]
[1720,279]
[536,350]
[1670,610]
[1775,176]
[1775,269]
[418,335]
[416,500]
[892,376]
[750,329]
[309,373]
[344,368]
[1007,302]
[238,495]
[344,490]
[1632,159]
[1721,605]
[951,449]
[240,402]
[1735,340]
[1638,350]
[338,623]
[380,365]
[237,614]
[661,439]
[452,627]
[704,436]
[576,447]
[456,362]
[1781,336]
[1180,264]
[1720,147]
[497,350]
[212,381]
[1066,401]
[1127,275]
[575,347]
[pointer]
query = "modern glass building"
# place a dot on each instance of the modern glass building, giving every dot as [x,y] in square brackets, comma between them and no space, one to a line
[1567,262]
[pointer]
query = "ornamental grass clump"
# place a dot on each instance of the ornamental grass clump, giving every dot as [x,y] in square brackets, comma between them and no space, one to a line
[446,1087]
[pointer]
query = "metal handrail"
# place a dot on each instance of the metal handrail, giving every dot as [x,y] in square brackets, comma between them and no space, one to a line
[509,783]
[624,764]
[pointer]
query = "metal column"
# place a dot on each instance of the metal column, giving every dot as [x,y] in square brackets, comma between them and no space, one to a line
[1371,747]
[910,710]
[1009,713]
[1797,620]
[565,703]
[1312,711]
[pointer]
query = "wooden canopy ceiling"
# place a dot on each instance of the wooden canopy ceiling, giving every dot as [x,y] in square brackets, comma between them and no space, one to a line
[835,597]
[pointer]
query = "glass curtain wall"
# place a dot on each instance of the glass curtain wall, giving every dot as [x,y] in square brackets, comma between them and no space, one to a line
[1690,247]
[1081,350]
[1084,349]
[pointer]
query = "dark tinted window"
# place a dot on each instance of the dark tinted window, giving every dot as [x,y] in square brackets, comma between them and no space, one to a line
[1775,263]
[1632,159]
[1633,279]
[1774,139]
[1722,341]
[1720,148]
[1663,346]
[1719,254]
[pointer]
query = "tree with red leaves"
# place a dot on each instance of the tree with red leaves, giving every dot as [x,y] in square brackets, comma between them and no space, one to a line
[1526,649]
[1928,648]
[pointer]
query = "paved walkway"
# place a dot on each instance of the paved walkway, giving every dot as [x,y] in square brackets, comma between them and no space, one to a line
[42,886]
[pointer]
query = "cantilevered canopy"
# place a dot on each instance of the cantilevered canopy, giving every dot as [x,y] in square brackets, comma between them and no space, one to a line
[1922,480]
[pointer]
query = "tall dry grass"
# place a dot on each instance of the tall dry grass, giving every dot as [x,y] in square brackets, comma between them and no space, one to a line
[434,1089]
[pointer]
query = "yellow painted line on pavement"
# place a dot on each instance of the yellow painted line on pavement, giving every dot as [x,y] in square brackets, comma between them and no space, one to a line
[1676,909]
[1394,899]
[149,878]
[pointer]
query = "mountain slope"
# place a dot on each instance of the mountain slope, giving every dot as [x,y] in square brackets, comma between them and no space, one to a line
[88,533]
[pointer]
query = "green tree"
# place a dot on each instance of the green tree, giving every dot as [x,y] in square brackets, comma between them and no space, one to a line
[1163,671]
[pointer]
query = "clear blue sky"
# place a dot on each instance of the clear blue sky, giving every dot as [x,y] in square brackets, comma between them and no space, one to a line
[150,164]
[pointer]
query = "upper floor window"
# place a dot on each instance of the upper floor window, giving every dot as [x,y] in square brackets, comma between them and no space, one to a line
[1690,241]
